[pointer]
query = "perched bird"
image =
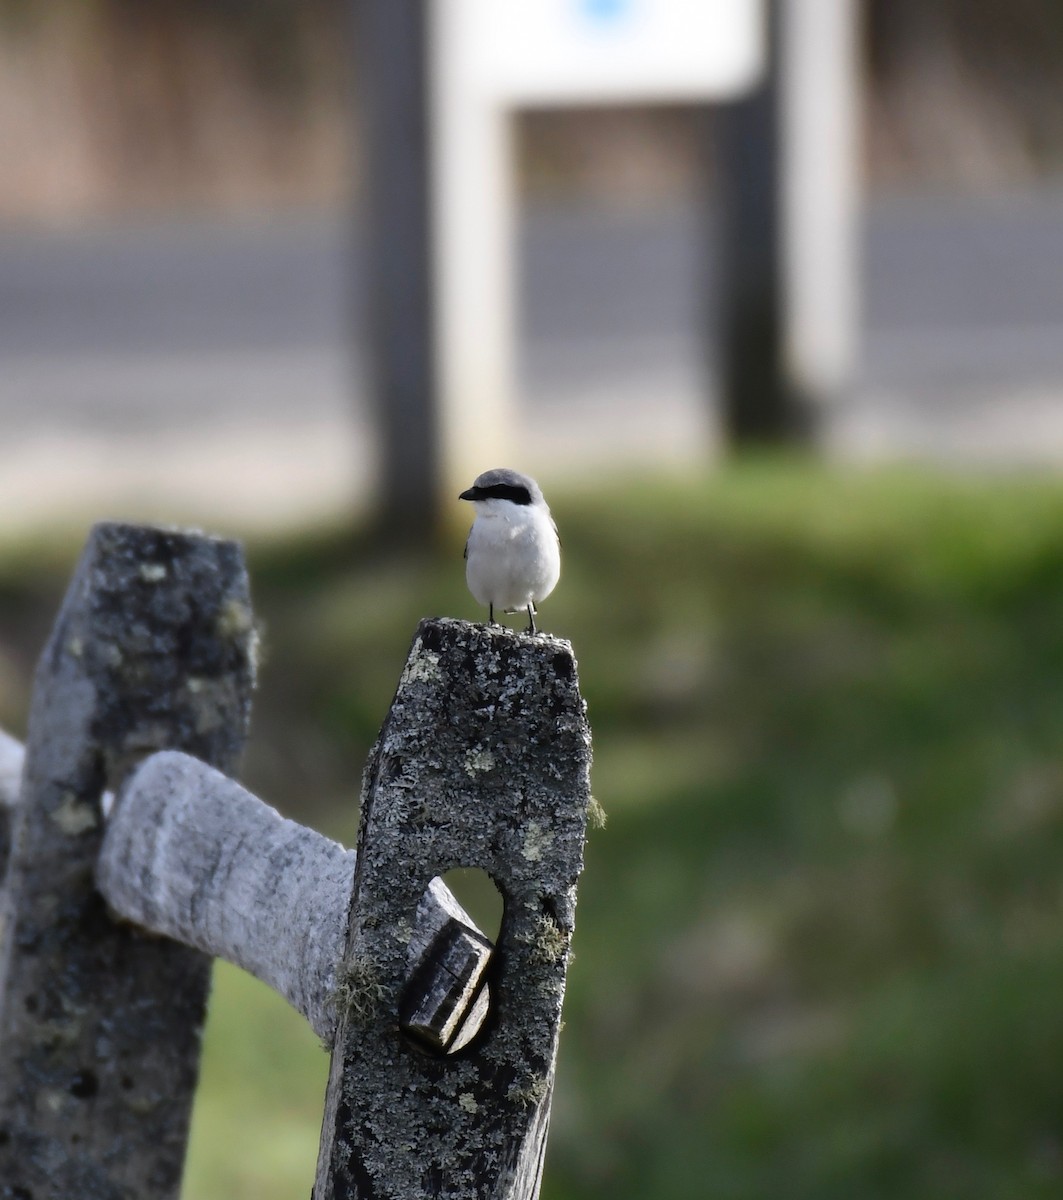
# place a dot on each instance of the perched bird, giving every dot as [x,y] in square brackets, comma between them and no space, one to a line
[512,556]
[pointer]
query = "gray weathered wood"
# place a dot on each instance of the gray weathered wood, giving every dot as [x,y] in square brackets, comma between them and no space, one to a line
[99,1024]
[191,855]
[483,762]
[12,758]
[445,1003]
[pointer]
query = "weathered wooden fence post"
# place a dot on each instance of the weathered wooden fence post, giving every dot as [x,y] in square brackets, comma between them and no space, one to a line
[100,1024]
[483,762]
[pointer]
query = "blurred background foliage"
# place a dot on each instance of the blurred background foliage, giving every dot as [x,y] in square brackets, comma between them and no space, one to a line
[117,105]
[818,947]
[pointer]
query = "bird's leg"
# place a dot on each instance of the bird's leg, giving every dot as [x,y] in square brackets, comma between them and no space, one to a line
[531,619]
[491,614]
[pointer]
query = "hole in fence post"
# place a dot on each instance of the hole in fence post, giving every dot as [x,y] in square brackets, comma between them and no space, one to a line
[475,891]
[448,998]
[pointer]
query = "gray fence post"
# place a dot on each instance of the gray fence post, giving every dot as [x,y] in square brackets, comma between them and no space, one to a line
[99,1024]
[483,761]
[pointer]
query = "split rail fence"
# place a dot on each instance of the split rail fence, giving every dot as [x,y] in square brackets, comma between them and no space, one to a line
[132,859]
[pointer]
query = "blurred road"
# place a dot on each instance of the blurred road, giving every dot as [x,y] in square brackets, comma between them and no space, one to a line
[203,365]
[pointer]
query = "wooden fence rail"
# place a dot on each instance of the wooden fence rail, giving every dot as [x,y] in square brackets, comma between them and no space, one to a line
[443,1046]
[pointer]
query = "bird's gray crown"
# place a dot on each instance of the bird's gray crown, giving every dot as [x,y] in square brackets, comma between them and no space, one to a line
[503,483]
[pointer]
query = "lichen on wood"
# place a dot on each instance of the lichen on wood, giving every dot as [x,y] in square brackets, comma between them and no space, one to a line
[483,761]
[100,1024]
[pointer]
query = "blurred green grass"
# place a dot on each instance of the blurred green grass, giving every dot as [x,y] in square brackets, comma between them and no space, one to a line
[818,946]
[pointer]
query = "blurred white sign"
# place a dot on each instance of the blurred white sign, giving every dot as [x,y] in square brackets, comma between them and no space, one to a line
[490,58]
[546,52]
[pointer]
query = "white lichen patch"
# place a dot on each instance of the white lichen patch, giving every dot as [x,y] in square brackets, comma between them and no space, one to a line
[76,647]
[423,667]
[235,619]
[144,1103]
[468,1102]
[537,842]
[549,943]
[358,989]
[529,1093]
[213,702]
[478,761]
[595,814]
[73,818]
[152,572]
[52,1100]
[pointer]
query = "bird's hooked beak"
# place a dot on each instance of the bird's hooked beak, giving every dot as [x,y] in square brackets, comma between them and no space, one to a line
[472,493]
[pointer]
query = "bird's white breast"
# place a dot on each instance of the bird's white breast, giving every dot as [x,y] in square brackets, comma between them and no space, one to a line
[513,558]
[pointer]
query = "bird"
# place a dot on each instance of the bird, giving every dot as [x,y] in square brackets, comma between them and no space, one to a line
[513,554]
